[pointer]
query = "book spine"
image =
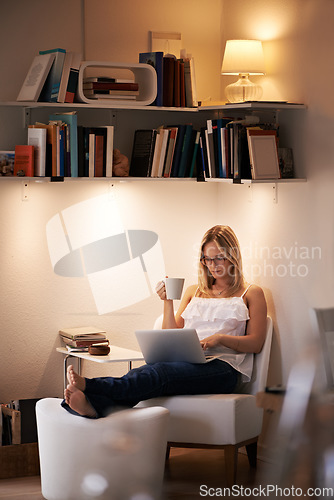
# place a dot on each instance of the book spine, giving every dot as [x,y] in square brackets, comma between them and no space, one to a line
[50,90]
[24,160]
[37,138]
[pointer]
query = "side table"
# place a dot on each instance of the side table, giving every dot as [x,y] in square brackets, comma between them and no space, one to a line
[116,355]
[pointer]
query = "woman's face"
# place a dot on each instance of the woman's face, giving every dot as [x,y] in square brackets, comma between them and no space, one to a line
[215,260]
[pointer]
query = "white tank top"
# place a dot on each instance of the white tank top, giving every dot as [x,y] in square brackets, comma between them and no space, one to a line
[223,315]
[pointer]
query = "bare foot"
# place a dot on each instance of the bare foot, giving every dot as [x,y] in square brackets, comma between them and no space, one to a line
[75,379]
[76,400]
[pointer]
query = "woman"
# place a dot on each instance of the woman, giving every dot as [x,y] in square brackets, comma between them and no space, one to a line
[230,318]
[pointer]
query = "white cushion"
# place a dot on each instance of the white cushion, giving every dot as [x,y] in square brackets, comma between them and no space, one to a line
[214,419]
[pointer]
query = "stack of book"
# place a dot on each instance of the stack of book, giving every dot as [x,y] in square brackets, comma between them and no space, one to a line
[166,152]
[52,77]
[176,82]
[64,149]
[222,149]
[110,88]
[80,339]
[228,150]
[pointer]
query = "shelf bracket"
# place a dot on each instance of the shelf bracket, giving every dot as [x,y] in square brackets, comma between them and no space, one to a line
[250,192]
[25,191]
[26,117]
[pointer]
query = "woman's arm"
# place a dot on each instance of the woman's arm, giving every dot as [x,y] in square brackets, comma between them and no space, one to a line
[256,327]
[171,320]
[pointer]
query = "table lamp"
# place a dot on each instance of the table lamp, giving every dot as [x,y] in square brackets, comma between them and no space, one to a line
[243,58]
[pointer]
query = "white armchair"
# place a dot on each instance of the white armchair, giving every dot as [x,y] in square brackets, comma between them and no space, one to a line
[226,421]
[118,457]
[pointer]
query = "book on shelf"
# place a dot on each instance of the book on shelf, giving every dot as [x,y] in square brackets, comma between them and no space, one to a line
[178,150]
[64,77]
[36,77]
[83,333]
[71,145]
[195,159]
[156,153]
[37,138]
[155,59]
[72,84]
[96,157]
[111,90]
[187,144]
[67,147]
[177,84]
[182,85]
[168,81]
[112,95]
[69,77]
[142,153]
[50,90]
[109,150]
[51,147]
[24,160]
[170,151]
[176,81]
[190,82]
[112,86]
[211,148]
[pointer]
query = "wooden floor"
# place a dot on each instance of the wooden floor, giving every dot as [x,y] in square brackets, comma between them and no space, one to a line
[186,471]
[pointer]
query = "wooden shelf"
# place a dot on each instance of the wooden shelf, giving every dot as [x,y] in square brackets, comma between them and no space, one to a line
[256,181]
[152,179]
[98,105]
[256,105]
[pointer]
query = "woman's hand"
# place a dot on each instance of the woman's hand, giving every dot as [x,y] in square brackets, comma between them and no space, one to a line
[212,341]
[161,290]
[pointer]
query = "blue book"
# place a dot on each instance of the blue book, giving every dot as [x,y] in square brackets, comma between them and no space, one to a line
[184,160]
[61,153]
[194,162]
[51,86]
[219,148]
[155,59]
[72,122]
[178,150]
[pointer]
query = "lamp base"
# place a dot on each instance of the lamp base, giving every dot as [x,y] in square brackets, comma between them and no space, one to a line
[243,90]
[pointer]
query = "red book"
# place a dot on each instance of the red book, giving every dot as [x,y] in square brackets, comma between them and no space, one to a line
[177,88]
[99,156]
[168,81]
[24,161]
[111,86]
[182,86]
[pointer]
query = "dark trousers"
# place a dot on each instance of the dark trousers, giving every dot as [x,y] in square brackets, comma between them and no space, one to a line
[106,394]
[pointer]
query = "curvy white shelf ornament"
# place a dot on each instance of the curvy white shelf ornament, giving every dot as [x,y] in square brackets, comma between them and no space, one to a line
[144,74]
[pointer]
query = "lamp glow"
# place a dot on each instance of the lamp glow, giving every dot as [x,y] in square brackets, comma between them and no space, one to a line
[243,58]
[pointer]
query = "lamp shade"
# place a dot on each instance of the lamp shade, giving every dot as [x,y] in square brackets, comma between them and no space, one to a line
[243,57]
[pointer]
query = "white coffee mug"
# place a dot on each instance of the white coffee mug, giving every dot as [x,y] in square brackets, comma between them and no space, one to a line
[174,287]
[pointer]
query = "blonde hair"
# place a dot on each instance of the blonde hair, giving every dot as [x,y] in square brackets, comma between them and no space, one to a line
[228,244]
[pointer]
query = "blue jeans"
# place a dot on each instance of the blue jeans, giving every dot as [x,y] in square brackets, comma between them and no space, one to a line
[158,379]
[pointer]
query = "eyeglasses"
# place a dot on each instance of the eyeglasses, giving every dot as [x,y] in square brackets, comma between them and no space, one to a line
[206,261]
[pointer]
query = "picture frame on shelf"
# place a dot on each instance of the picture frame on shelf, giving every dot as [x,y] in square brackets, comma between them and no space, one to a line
[263,154]
[7,159]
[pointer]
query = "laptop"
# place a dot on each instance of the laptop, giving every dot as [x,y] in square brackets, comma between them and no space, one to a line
[179,344]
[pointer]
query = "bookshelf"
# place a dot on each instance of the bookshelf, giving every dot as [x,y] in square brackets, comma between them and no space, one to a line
[127,118]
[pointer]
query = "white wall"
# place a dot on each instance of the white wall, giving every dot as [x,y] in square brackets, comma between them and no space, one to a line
[36,302]
[297,38]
